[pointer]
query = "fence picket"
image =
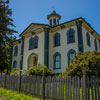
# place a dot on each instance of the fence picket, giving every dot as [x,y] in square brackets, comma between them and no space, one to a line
[78,88]
[73,80]
[82,88]
[95,88]
[92,88]
[58,89]
[88,84]
[65,88]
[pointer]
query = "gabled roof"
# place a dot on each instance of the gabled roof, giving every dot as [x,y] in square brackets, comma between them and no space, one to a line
[38,24]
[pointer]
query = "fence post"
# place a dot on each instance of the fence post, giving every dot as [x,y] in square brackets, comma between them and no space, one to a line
[19,84]
[43,85]
[84,85]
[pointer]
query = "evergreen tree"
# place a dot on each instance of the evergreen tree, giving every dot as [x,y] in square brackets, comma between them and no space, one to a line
[6,35]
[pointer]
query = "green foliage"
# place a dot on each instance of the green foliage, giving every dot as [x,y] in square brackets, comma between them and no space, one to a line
[6,35]
[38,70]
[35,70]
[89,61]
[15,71]
[13,95]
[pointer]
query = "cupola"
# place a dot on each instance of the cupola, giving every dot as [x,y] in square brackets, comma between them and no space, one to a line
[54,18]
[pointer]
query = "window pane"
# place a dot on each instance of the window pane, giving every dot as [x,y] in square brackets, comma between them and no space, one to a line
[36,43]
[57,61]
[72,56]
[57,40]
[50,21]
[54,21]
[70,36]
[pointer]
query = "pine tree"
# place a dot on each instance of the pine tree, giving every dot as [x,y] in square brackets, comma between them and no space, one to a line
[6,35]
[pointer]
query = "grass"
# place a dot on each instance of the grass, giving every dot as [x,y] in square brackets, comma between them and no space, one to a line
[13,95]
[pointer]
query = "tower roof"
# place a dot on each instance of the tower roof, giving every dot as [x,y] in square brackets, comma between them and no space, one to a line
[53,14]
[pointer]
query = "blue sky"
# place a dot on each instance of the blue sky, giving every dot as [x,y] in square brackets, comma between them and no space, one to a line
[26,12]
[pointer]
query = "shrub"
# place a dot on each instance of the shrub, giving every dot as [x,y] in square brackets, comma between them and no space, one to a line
[88,61]
[38,70]
[15,71]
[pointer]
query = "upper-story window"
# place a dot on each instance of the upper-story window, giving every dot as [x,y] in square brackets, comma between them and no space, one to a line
[57,61]
[35,42]
[50,21]
[31,43]
[71,55]
[54,21]
[70,36]
[57,39]
[95,43]
[88,39]
[14,64]
[16,51]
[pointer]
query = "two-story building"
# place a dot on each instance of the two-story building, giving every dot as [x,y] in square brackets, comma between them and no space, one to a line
[54,44]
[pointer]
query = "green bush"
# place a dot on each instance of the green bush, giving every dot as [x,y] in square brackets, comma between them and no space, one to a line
[15,71]
[88,61]
[38,70]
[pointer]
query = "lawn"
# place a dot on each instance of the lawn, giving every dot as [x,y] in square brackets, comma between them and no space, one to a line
[13,95]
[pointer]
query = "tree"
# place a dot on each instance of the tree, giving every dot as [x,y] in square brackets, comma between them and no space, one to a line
[88,61]
[6,35]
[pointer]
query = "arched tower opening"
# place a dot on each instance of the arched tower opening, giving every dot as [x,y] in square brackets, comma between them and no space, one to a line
[53,19]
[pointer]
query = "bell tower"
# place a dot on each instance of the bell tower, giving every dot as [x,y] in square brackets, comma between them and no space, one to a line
[53,19]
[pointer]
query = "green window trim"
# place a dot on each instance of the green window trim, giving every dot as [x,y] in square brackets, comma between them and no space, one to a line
[29,59]
[21,63]
[14,64]
[95,44]
[80,36]
[33,42]
[46,47]
[68,54]
[55,60]
[99,44]
[70,36]
[56,40]
[88,39]
[22,46]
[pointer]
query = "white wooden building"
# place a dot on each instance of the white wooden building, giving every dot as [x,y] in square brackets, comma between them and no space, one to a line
[54,44]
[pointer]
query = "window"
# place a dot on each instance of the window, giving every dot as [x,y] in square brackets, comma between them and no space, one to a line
[95,43]
[57,39]
[71,55]
[35,42]
[50,21]
[31,43]
[32,60]
[16,51]
[57,61]
[88,39]
[15,64]
[54,21]
[58,21]
[70,36]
